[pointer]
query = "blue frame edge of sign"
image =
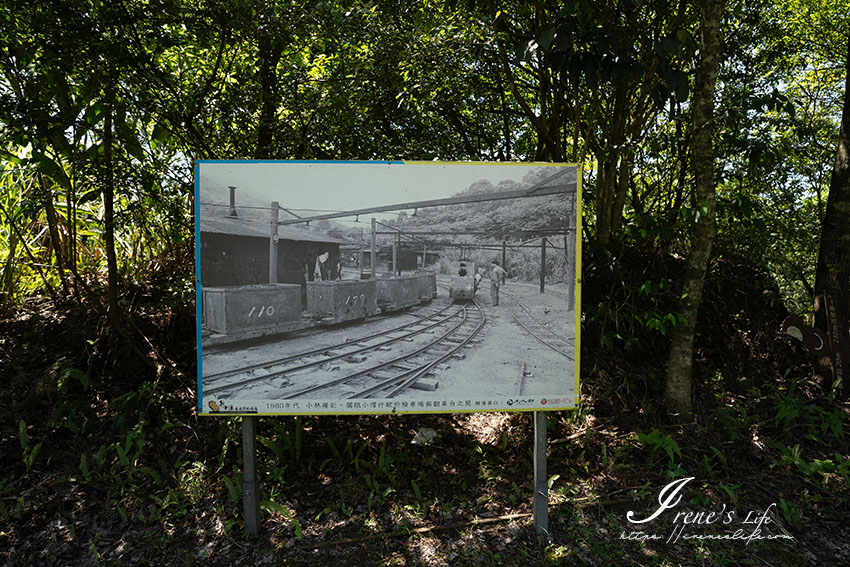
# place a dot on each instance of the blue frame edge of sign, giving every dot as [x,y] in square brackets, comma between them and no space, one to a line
[198,302]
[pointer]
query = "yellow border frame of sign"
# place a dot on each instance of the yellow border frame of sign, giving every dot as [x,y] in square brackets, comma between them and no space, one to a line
[576,370]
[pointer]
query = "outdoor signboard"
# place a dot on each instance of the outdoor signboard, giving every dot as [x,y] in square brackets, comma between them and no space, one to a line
[292,319]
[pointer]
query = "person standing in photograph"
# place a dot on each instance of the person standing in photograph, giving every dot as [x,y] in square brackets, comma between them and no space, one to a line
[320,273]
[479,275]
[497,278]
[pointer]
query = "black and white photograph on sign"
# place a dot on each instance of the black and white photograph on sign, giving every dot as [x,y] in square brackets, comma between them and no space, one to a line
[375,287]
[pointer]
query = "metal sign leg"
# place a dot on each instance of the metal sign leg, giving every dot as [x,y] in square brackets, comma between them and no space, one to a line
[541,484]
[250,498]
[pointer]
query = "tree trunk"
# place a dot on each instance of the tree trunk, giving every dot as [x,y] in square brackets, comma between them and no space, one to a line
[52,227]
[611,159]
[271,50]
[8,273]
[606,183]
[71,219]
[576,125]
[506,128]
[108,207]
[612,186]
[624,176]
[677,394]
[833,269]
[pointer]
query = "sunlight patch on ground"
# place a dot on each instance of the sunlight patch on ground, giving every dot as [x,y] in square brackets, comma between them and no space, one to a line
[429,551]
[485,427]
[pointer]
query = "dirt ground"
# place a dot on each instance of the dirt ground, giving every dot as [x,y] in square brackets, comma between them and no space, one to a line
[506,349]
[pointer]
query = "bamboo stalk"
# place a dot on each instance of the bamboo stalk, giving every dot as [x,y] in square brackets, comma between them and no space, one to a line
[7,278]
[55,243]
[29,252]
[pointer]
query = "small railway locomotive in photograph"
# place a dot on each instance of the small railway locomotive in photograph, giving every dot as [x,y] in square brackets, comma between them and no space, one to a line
[462,284]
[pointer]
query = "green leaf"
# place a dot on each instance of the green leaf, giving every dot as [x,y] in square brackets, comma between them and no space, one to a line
[151,473]
[681,85]
[160,135]
[73,373]
[84,466]
[22,434]
[276,508]
[233,491]
[51,169]
[9,157]
[547,37]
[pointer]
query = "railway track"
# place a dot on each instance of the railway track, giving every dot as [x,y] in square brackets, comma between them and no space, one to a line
[539,330]
[371,367]
[216,381]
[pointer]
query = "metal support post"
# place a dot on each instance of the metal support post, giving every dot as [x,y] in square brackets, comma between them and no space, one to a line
[250,497]
[273,243]
[232,212]
[541,482]
[505,255]
[570,252]
[542,264]
[373,258]
[398,255]
[395,256]
[424,255]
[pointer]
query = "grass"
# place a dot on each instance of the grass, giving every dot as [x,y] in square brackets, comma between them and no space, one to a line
[380,502]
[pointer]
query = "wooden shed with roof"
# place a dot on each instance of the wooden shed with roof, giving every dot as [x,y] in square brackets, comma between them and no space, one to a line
[235,252]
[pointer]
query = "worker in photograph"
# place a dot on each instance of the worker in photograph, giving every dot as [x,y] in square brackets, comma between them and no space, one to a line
[479,275]
[497,278]
[320,273]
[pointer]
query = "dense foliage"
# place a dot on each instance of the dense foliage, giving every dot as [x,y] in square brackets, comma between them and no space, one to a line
[416,81]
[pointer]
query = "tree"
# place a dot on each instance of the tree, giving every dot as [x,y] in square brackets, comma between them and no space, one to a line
[677,393]
[72,93]
[592,77]
[833,268]
[782,82]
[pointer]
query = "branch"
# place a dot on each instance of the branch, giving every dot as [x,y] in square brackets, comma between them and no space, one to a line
[538,123]
[404,532]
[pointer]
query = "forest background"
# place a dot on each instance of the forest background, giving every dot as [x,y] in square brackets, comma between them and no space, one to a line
[713,140]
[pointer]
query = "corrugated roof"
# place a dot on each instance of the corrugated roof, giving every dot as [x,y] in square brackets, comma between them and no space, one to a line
[242,227]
